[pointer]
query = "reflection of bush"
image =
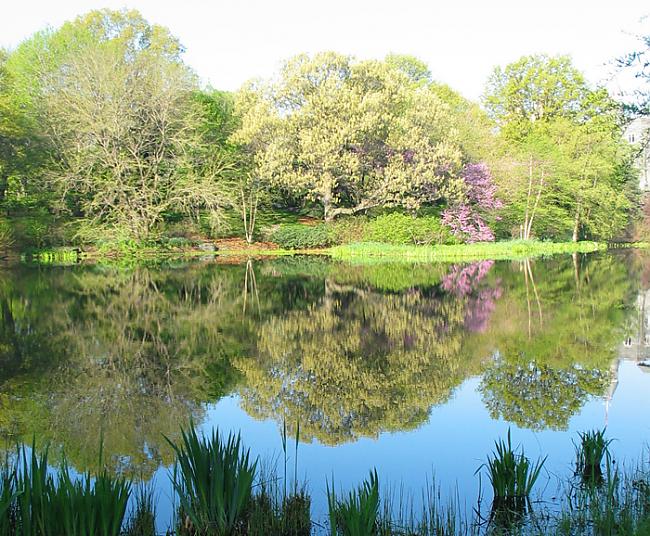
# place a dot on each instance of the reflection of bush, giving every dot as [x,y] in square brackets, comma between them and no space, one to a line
[556,334]
[356,363]
[538,396]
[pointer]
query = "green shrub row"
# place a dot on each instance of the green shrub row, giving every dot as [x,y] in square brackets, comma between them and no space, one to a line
[296,236]
[392,228]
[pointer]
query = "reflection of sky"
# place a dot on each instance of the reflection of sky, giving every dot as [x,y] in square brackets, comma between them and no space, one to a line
[452,444]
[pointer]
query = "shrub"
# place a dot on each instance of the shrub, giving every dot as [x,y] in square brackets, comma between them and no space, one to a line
[296,236]
[404,229]
[349,230]
[6,236]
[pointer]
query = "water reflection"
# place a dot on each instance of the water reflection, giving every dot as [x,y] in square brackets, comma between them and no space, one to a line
[349,351]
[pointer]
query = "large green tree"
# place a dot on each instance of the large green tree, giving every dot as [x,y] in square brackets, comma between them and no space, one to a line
[351,135]
[115,104]
[563,169]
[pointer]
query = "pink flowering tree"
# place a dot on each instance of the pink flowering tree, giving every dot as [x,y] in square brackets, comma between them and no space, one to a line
[466,219]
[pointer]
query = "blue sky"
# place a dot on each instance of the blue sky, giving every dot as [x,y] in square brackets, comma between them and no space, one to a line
[229,42]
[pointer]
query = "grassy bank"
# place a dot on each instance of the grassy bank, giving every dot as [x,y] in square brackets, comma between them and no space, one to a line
[514,249]
[220,490]
[358,252]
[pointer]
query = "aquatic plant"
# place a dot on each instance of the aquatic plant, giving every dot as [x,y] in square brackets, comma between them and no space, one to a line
[46,505]
[7,498]
[590,452]
[213,480]
[358,514]
[512,476]
[142,521]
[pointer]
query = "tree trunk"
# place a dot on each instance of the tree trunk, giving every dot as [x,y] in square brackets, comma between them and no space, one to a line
[576,226]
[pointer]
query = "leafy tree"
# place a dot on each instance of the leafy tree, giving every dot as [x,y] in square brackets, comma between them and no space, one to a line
[114,103]
[350,135]
[564,169]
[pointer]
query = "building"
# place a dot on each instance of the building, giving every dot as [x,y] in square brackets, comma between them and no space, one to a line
[638,134]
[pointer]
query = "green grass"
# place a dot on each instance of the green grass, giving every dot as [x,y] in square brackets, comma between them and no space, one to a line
[513,249]
[592,449]
[358,513]
[213,479]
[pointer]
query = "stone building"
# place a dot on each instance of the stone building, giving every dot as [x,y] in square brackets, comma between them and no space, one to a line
[638,134]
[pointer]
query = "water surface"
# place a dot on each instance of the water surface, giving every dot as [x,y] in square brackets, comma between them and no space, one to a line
[414,369]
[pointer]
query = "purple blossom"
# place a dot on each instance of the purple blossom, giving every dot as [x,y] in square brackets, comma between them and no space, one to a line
[466,219]
[464,282]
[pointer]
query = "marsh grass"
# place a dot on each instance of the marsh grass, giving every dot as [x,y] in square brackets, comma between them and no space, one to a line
[592,449]
[213,479]
[356,514]
[51,502]
[506,250]
[281,509]
[512,476]
[142,521]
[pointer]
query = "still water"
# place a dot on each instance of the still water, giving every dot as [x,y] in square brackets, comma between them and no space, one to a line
[413,369]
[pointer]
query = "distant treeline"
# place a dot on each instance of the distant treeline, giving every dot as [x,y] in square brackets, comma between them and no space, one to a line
[106,134]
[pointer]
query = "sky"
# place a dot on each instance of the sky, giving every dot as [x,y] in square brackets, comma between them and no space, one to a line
[231,41]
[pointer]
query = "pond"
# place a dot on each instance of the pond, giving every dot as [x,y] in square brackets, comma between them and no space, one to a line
[412,369]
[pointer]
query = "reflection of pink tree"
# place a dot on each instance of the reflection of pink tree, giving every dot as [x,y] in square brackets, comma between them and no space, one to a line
[465,282]
[466,219]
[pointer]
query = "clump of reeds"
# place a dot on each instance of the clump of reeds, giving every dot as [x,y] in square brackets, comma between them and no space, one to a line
[213,479]
[512,476]
[590,453]
[358,513]
[45,504]
[142,521]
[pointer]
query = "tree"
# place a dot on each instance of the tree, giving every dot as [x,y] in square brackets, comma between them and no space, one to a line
[564,169]
[115,104]
[350,135]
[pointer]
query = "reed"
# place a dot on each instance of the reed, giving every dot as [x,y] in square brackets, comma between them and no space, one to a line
[46,505]
[592,449]
[213,480]
[142,521]
[512,476]
[358,513]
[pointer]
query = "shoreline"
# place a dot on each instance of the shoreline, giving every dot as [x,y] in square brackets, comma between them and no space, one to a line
[355,252]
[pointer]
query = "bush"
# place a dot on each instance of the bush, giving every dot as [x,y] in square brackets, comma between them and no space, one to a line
[6,236]
[349,230]
[404,229]
[296,236]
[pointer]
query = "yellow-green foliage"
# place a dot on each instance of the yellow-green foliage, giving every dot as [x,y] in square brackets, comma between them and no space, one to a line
[362,133]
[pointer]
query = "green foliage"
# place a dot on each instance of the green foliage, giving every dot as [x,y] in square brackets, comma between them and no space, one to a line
[213,480]
[358,513]
[563,169]
[6,236]
[590,452]
[511,475]
[297,236]
[399,228]
[351,135]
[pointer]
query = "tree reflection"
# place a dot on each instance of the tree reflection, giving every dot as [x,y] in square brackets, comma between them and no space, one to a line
[349,351]
[136,353]
[361,361]
[555,337]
